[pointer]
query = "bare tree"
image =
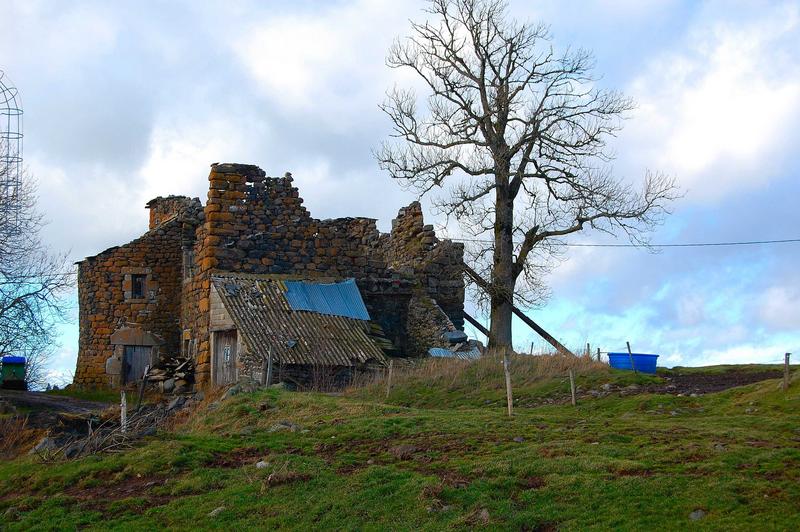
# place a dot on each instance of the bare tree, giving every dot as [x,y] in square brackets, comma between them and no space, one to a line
[518,134]
[33,282]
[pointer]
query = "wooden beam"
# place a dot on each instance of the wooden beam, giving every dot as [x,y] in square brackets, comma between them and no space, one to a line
[475,323]
[529,322]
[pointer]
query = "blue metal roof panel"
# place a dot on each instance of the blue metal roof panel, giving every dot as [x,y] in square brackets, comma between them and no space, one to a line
[439,352]
[332,299]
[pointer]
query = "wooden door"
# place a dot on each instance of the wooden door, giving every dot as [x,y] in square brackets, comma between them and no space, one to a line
[225,357]
[136,358]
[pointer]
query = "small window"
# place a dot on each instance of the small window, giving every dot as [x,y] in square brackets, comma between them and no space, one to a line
[138,283]
[188,260]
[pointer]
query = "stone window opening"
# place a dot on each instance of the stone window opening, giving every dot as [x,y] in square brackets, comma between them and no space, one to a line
[138,286]
[188,264]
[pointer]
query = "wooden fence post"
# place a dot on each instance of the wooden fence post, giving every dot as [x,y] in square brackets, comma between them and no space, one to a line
[389,378]
[123,412]
[588,351]
[630,355]
[509,394]
[786,371]
[572,386]
[598,354]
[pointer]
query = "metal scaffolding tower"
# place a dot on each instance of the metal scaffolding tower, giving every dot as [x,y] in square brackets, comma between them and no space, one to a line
[10,152]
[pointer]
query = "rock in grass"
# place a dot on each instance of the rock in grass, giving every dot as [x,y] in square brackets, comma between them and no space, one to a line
[285,425]
[44,445]
[261,464]
[519,439]
[697,514]
[215,512]
[176,403]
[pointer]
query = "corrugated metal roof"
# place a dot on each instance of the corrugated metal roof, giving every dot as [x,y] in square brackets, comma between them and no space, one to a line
[333,299]
[439,352]
[258,307]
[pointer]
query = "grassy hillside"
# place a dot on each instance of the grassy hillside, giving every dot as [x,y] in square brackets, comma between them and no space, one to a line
[359,462]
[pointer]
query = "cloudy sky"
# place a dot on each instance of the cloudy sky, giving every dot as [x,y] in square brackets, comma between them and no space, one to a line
[125,101]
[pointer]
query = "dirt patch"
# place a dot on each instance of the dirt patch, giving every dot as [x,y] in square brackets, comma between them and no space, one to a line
[415,452]
[235,458]
[417,448]
[404,452]
[555,452]
[447,477]
[701,383]
[677,384]
[286,477]
[101,496]
[531,483]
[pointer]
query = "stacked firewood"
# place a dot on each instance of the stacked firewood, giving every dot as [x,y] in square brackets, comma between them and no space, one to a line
[173,376]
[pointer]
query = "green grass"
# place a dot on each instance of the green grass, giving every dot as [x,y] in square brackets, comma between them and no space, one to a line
[456,384]
[101,395]
[631,463]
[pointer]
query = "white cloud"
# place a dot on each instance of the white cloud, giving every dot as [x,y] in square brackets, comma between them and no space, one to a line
[779,307]
[717,113]
[332,59]
[64,35]
[742,354]
[179,154]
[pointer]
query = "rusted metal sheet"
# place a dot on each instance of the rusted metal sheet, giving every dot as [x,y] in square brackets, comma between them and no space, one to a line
[258,306]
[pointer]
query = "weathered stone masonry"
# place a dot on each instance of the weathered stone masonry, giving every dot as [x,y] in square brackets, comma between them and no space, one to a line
[257,224]
[107,302]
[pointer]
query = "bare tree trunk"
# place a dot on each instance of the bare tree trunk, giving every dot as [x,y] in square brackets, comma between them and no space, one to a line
[503,270]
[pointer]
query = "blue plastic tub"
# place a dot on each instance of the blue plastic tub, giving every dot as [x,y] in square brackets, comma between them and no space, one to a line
[642,362]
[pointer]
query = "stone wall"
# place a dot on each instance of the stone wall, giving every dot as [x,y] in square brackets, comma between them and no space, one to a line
[257,224]
[164,208]
[105,296]
[435,265]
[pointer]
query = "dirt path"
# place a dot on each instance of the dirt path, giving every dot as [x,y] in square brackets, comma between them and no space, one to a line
[52,403]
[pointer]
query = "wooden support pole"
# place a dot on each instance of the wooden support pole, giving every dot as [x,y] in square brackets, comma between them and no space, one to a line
[630,355]
[478,325]
[507,372]
[588,351]
[269,366]
[786,371]
[141,388]
[598,354]
[517,312]
[389,378]
[572,386]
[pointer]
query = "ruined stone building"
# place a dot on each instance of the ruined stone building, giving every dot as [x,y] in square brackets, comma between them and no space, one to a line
[251,275]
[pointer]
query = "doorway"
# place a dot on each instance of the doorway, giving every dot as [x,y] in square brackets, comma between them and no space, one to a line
[225,357]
